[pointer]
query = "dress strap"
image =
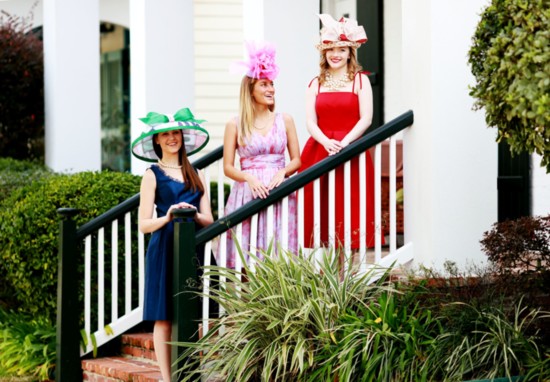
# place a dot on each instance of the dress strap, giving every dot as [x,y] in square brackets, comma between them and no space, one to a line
[318,83]
[358,74]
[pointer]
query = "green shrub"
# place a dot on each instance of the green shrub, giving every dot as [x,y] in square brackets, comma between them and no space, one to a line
[292,319]
[280,317]
[29,230]
[495,346]
[27,346]
[21,89]
[389,338]
[510,60]
[15,174]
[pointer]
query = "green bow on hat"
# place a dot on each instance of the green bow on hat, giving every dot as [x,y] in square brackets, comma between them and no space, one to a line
[182,115]
[195,137]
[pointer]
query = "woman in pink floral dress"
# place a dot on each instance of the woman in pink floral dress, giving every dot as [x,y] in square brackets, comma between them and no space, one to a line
[261,138]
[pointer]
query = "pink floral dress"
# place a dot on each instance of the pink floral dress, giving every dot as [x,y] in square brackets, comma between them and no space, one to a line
[262,156]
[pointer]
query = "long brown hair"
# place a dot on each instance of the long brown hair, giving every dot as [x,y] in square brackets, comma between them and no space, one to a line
[246,108]
[353,65]
[191,178]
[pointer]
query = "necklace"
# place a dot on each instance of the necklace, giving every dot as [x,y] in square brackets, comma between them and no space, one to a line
[265,125]
[335,83]
[162,164]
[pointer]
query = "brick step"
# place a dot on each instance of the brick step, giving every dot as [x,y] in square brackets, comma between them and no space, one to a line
[117,369]
[137,362]
[139,345]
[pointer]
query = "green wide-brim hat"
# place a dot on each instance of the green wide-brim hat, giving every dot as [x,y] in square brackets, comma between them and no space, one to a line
[195,137]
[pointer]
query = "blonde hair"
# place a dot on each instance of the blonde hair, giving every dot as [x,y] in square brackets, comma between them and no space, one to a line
[246,109]
[353,65]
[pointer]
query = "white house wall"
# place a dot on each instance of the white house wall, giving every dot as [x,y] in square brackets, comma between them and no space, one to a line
[72,85]
[295,34]
[393,86]
[450,156]
[115,11]
[218,43]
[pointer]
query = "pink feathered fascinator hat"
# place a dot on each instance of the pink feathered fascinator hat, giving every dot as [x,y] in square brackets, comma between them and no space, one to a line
[261,61]
[344,32]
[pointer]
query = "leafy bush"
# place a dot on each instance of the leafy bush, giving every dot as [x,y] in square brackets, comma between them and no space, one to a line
[27,345]
[29,229]
[17,173]
[21,90]
[510,60]
[519,245]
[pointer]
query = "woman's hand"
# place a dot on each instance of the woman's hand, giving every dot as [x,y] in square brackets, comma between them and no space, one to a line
[277,179]
[259,190]
[177,206]
[345,142]
[332,146]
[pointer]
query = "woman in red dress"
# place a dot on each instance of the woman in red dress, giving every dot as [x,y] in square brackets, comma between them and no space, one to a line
[338,111]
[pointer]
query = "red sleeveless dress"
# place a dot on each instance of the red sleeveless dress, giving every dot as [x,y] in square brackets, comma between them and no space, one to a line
[337,114]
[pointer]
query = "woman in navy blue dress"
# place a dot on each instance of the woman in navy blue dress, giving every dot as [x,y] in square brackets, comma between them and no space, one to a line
[169,184]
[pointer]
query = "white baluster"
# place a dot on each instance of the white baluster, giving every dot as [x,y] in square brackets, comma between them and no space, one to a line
[141,267]
[377,203]
[316,213]
[253,241]
[128,263]
[331,209]
[100,279]
[206,289]
[363,212]
[284,225]
[393,212]
[347,212]
[114,270]
[300,211]
[88,287]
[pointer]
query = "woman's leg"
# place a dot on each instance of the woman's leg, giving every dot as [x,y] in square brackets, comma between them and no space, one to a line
[162,333]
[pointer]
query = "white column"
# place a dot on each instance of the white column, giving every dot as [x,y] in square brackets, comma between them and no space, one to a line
[540,188]
[450,156]
[162,51]
[293,26]
[71,85]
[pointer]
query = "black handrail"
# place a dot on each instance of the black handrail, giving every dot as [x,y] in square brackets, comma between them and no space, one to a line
[132,203]
[370,139]
[296,182]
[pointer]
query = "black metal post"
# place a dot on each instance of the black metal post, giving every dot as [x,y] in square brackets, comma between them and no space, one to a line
[186,307]
[68,366]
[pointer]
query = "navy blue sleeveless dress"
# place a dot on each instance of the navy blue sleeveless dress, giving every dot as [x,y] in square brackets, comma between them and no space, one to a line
[158,259]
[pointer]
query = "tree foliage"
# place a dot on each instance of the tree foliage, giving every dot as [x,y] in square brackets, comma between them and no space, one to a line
[510,60]
[21,90]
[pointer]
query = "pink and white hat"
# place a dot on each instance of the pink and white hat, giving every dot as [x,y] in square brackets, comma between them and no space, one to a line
[344,32]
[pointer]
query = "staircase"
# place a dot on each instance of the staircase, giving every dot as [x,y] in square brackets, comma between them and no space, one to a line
[120,273]
[137,362]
